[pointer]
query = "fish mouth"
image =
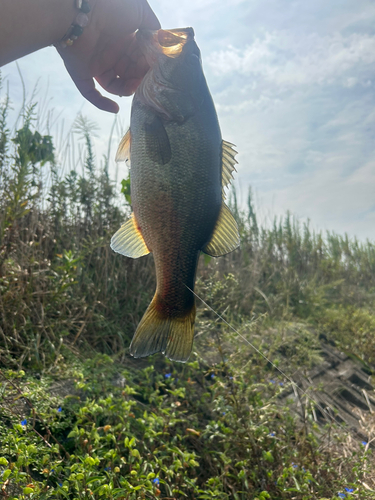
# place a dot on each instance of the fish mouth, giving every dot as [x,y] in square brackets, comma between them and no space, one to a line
[168,42]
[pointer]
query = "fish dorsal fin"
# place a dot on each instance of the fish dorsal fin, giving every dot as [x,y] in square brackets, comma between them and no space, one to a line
[228,161]
[157,141]
[225,237]
[123,150]
[129,241]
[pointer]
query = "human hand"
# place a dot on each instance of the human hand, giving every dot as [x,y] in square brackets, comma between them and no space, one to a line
[108,51]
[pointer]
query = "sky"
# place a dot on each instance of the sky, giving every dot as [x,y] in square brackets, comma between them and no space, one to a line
[294,87]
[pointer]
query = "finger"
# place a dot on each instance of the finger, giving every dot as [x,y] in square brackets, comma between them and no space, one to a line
[111,82]
[131,69]
[108,55]
[89,92]
[131,85]
[149,19]
[125,77]
[116,85]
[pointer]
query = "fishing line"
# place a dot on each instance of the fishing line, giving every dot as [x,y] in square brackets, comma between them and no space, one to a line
[293,384]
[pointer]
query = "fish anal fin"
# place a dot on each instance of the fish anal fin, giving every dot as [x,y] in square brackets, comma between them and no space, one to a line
[123,150]
[225,237]
[160,332]
[128,240]
[228,163]
[157,141]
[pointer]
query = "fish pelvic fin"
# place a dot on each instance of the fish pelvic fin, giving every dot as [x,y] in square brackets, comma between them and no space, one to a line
[225,237]
[128,240]
[158,332]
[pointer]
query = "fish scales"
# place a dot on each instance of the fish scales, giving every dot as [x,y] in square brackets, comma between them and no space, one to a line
[176,154]
[176,207]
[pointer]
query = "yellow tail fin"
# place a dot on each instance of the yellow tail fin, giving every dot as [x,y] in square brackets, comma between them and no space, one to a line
[156,332]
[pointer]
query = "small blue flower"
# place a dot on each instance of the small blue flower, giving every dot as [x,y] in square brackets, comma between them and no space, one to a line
[223,413]
[168,375]
[341,495]
[60,484]
[272,382]
[294,465]
[156,481]
[230,378]
[59,409]
[107,468]
[303,468]
[364,443]
[349,490]
[24,422]
[52,470]
[281,384]
[272,434]
[212,375]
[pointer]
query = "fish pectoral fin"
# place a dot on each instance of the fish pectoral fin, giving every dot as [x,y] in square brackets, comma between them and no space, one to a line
[128,240]
[157,141]
[171,335]
[123,150]
[228,161]
[225,237]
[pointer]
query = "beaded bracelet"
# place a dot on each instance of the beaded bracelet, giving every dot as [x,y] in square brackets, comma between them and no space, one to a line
[76,28]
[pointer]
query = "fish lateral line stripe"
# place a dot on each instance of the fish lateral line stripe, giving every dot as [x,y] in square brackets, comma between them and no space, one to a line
[294,385]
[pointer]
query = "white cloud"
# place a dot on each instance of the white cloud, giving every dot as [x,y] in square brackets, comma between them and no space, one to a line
[288,60]
[300,107]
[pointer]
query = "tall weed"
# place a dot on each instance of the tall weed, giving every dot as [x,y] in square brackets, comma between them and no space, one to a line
[61,285]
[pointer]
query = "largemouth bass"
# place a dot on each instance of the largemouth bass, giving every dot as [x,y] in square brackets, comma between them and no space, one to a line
[179,168]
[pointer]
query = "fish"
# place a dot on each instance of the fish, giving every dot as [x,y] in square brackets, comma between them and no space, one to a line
[179,169]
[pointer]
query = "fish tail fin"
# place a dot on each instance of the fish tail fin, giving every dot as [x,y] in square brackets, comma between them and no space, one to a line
[171,334]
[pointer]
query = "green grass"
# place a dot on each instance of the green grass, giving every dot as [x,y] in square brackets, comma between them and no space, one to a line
[101,425]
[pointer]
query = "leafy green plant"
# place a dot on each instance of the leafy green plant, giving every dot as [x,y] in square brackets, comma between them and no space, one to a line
[170,432]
